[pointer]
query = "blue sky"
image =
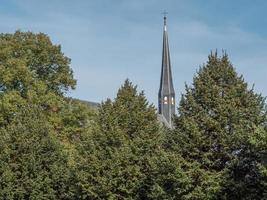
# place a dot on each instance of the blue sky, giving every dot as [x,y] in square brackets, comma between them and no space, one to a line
[111,40]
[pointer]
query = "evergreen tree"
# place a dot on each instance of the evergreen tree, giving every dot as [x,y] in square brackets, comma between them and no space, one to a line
[123,158]
[32,162]
[221,125]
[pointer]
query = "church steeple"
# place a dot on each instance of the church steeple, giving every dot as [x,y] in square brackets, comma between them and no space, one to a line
[166,96]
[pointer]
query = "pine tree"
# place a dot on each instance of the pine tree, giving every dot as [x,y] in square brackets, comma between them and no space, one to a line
[220,124]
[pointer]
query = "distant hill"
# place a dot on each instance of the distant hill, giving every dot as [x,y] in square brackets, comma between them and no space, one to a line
[90,104]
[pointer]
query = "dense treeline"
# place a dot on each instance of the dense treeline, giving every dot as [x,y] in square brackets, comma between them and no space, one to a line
[52,147]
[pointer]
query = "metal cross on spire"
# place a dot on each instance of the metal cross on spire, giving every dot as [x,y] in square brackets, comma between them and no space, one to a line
[164,13]
[165,16]
[165,19]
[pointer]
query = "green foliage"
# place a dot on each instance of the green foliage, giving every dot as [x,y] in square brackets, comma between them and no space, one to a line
[221,126]
[32,163]
[53,147]
[123,158]
[27,58]
[39,126]
[32,71]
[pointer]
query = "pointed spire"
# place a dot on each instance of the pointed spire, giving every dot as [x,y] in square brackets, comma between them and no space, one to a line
[166,90]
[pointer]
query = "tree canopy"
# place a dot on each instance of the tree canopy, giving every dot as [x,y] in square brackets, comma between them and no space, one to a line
[32,163]
[55,147]
[28,58]
[125,153]
[222,125]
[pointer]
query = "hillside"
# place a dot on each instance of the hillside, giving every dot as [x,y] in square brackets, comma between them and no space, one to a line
[91,104]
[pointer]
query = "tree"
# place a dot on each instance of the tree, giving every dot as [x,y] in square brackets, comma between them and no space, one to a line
[27,58]
[123,157]
[32,162]
[32,71]
[220,119]
[40,128]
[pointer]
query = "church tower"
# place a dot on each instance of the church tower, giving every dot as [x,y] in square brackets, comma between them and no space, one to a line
[166,96]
